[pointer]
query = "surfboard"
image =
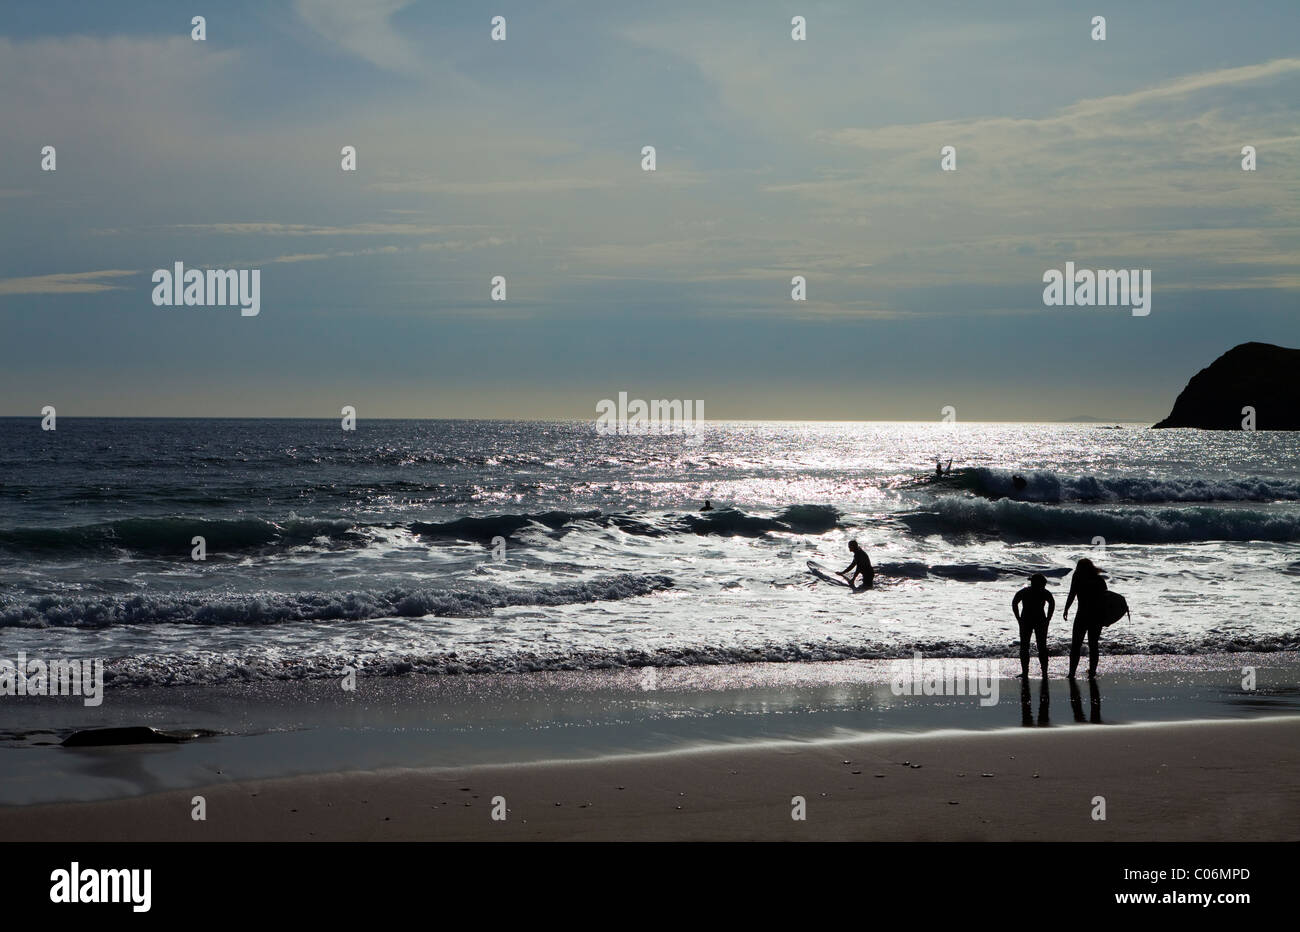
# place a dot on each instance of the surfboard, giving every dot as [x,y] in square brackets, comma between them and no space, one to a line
[826,574]
[1113,608]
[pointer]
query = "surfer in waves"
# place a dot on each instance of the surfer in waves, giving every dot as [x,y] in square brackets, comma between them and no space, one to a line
[861,564]
[939,471]
[707,506]
[1089,586]
[1033,607]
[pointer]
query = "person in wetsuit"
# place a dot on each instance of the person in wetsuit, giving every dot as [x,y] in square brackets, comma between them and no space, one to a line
[1033,607]
[861,564]
[1089,587]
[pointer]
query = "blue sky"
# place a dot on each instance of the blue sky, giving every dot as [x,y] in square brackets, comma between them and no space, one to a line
[522,158]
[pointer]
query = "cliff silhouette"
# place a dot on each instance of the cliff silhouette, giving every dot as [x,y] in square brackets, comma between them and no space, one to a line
[1260,375]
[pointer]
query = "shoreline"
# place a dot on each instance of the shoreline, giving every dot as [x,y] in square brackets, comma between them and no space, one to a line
[1194,781]
[266,731]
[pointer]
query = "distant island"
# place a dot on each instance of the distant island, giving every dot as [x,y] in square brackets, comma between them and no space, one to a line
[1255,375]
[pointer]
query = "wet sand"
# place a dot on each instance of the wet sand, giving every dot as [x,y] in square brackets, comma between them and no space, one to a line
[1209,781]
[267,731]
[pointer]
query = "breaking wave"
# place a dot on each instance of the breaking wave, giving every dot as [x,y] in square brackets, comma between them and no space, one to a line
[174,535]
[205,669]
[1030,521]
[279,608]
[1048,486]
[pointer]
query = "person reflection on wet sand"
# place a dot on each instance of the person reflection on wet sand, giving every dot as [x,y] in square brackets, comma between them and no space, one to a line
[1027,706]
[1094,702]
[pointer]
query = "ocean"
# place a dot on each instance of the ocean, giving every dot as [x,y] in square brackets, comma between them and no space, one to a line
[449,547]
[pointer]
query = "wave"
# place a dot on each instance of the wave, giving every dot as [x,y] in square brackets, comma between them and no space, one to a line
[279,608]
[205,669]
[729,522]
[486,528]
[1029,521]
[964,572]
[798,519]
[1048,486]
[174,535]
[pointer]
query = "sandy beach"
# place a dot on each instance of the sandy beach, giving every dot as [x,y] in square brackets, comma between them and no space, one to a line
[1211,781]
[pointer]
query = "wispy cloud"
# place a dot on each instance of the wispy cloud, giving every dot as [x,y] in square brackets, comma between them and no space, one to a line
[516,186]
[438,246]
[64,283]
[307,229]
[364,29]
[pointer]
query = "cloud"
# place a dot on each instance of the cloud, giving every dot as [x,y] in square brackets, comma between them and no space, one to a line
[299,257]
[363,28]
[439,246]
[804,180]
[516,186]
[307,229]
[1185,86]
[63,283]
[1141,178]
[116,90]
[1141,147]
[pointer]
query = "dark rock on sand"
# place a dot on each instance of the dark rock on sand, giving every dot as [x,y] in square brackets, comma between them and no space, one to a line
[135,734]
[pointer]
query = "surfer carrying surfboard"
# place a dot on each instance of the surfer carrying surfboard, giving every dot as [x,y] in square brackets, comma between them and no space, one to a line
[861,564]
[1089,586]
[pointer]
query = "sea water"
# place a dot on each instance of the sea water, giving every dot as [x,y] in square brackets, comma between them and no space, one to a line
[442,547]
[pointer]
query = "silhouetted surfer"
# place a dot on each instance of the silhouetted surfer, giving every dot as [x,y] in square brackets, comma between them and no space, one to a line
[939,471]
[707,506]
[1020,482]
[1033,607]
[1089,587]
[861,564]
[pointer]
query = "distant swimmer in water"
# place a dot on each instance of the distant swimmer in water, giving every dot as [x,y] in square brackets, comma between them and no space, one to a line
[1033,607]
[939,471]
[707,506]
[861,564]
[1020,482]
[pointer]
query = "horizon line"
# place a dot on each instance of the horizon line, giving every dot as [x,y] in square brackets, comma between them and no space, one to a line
[735,420]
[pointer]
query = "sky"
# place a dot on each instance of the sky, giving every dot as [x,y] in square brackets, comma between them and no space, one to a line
[522,158]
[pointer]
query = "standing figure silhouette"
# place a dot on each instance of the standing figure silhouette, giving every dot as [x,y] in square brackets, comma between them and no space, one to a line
[1033,607]
[1089,587]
